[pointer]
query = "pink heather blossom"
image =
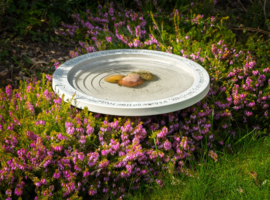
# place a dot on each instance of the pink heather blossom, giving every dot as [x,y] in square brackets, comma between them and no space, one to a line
[224,126]
[248,113]
[9,91]
[121,153]
[182,51]
[163,133]
[127,128]
[104,152]
[9,192]
[38,184]
[220,42]
[43,182]
[81,156]
[109,39]
[89,130]
[104,163]
[93,157]
[77,168]
[130,44]
[56,175]
[18,191]
[56,65]
[159,182]
[82,139]
[167,145]
[11,127]
[86,174]
[58,148]
[111,11]
[29,89]
[92,192]
[30,107]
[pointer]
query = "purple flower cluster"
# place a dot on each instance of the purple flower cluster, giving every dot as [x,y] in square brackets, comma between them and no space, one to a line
[115,152]
[91,26]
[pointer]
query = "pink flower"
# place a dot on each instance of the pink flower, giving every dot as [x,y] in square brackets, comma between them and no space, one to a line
[43,181]
[92,192]
[109,39]
[130,44]
[248,113]
[9,192]
[111,11]
[81,156]
[104,152]
[89,130]
[38,184]
[167,145]
[57,175]
[224,126]
[104,163]
[86,174]
[56,65]
[159,182]
[9,91]
[18,191]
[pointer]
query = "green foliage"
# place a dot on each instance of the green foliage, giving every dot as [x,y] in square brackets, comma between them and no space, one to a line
[3,6]
[3,53]
[39,18]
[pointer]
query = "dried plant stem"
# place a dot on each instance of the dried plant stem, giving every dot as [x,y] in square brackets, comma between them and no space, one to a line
[251,29]
[22,67]
[264,9]
[242,6]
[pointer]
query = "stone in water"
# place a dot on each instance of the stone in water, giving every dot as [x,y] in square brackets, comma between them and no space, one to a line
[114,78]
[146,75]
[131,80]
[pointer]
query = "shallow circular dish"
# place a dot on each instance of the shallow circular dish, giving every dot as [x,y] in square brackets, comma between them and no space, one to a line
[178,83]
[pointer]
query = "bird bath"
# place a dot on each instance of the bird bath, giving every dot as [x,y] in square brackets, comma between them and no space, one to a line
[178,83]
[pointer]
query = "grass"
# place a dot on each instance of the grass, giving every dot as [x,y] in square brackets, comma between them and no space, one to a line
[244,174]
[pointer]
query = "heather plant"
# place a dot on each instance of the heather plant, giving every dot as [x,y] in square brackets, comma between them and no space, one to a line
[237,80]
[52,148]
[58,151]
